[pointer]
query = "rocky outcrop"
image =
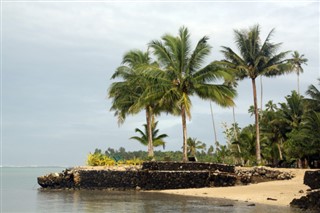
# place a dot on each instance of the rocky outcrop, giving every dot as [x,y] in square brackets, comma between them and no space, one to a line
[312,200]
[312,179]
[261,174]
[65,179]
[158,176]
[152,176]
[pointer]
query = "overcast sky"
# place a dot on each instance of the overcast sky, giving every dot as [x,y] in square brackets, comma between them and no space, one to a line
[58,57]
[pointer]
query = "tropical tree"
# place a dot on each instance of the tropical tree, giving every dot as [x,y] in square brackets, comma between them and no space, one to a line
[156,139]
[273,132]
[182,75]
[255,59]
[293,110]
[126,94]
[296,62]
[313,103]
[193,145]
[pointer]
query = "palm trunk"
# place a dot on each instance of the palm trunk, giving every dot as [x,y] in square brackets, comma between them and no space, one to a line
[236,134]
[279,150]
[298,82]
[256,116]
[261,93]
[214,128]
[184,130]
[149,129]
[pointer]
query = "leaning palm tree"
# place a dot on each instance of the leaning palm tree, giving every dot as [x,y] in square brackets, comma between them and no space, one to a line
[296,61]
[255,59]
[126,94]
[157,140]
[182,75]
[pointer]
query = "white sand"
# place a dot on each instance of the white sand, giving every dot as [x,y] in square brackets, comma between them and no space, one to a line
[283,191]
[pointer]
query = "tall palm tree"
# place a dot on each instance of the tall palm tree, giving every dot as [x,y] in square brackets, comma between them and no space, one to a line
[214,127]
[156,139]
[296,62]
[126,94]
[193,145]
[182,75]
[255,59]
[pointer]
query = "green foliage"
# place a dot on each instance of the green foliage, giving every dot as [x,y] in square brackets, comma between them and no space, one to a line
[194,145]
[156,139]
[99,159]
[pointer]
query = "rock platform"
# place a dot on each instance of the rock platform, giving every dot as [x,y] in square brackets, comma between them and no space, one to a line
[158,176]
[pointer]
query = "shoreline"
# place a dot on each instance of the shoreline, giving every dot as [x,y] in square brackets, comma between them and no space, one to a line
[279,192]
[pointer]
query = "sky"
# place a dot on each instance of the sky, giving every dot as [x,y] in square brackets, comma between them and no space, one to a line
[57,59]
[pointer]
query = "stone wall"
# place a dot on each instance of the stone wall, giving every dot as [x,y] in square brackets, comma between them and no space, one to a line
[152,176]
[159,175]
[189,166]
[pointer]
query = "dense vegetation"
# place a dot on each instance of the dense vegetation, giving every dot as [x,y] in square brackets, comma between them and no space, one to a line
[163,80]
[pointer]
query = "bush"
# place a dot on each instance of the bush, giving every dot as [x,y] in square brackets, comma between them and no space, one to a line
[99,159]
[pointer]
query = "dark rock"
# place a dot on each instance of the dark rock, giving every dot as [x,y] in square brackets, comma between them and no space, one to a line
[312,179]
[273,199]
[145,179]
[189,166]
[310,202]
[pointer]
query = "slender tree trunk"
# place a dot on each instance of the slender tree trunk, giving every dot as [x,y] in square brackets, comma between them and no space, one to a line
[236,134]
[298,82]
[184,131]
[214,128]
[149,129]
[256,116]
[261,93]
[280,152]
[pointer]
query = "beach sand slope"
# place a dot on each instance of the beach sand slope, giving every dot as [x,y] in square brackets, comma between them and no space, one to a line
[279,193]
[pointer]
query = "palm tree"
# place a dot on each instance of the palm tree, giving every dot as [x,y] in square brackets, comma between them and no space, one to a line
[182,75]
[293,110]
[193,145]
[156,139]
[255,59]
[296,61]
[314,100]
[126,94]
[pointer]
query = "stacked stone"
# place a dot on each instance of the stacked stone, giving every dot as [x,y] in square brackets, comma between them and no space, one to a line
[312,200]
[260,174]
[152,176]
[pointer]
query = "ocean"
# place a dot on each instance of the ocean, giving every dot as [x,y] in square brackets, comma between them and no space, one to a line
[20,193]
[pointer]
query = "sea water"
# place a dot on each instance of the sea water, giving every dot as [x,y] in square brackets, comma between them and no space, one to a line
[20,193]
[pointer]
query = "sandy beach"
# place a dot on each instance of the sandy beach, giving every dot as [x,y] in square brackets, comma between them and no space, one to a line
[279,193]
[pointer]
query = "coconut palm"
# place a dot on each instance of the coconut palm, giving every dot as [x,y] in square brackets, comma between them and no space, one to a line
[255,59]
[182,75]
[156,139]
[314,100]
[296,62]
[126,94]
[194,145]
